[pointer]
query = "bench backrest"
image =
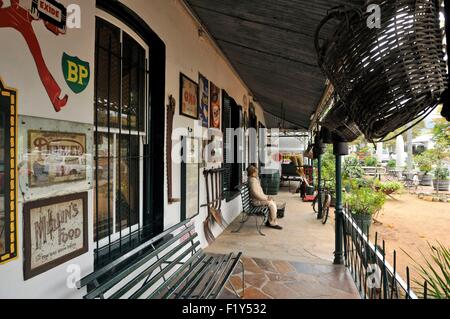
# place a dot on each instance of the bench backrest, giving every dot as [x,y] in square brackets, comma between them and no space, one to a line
[245,195]
[153,263]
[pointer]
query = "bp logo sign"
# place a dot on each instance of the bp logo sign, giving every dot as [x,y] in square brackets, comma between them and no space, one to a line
[76,72]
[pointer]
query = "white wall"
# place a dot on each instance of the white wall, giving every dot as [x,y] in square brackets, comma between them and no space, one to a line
[186,53]
[18,70]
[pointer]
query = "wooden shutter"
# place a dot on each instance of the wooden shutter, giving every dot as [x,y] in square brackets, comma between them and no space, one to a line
[226,123]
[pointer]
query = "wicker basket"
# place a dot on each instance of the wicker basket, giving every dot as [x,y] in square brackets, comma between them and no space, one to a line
[339,123]
[391,76]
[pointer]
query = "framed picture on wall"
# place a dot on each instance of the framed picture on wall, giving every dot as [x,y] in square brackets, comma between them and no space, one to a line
[203,101]
[188,97]
[215,109]
[55,231]
[56,157]
[190,177]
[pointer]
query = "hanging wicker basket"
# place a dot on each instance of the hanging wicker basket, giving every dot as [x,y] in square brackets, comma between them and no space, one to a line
[391,76]
[339,123]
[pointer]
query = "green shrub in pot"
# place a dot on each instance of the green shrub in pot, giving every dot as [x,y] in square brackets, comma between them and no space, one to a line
[371,161]
[392,164]
[364,202]
[389,188]
[425,163]
[441,182]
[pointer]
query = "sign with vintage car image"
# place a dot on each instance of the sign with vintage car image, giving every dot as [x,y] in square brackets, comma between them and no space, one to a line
[55,231]
[56,157]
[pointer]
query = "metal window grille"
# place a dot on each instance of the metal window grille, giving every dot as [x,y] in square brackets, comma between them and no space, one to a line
[121,134]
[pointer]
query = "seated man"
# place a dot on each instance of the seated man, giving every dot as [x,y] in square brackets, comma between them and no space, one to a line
[260,199]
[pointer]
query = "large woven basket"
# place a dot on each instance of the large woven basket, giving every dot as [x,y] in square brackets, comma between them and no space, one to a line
[339,123]
[391,76]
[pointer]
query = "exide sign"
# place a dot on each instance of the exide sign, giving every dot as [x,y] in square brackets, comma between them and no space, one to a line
[50,11]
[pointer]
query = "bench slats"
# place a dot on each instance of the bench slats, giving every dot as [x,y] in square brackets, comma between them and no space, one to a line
[148,271]
[142,272]
[212,281]
[165,270]
[97,274]
[226,277]
[142,261]
[197,271]
[192,284]
[194,268]
[207,278]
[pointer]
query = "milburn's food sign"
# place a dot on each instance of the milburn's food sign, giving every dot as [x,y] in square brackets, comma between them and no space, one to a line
[50,11]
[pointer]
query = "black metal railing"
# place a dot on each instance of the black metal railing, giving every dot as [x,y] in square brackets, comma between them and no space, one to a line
[374,276]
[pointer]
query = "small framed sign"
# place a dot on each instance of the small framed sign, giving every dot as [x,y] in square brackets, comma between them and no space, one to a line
[190,178]
[55,231]
[188,97]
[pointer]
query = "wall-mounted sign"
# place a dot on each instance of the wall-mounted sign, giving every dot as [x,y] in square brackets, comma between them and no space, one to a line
[8,174]
[188,97]
[50,11]
[55,231]
[19,18]
[215,108]
[204,101]
[76,72]
[56,157]
[190,178]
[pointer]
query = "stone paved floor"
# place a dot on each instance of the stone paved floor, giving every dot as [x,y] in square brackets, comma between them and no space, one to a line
[276,279]
[293,263]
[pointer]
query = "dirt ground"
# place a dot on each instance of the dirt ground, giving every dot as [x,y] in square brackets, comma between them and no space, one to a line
[409,223]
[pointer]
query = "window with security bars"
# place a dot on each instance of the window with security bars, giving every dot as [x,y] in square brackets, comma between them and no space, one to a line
[121,108]
[232,118]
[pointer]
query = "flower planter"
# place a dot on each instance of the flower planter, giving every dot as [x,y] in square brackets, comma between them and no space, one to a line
[426,180]
[442,186]
[363,221]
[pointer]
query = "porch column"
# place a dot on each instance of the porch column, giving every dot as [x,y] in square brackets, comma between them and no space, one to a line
[319,186]
[340,149]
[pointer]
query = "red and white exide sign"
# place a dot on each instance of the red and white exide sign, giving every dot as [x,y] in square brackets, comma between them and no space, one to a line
[50,10]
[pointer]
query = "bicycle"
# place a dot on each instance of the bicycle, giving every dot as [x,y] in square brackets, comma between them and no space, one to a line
[326,203]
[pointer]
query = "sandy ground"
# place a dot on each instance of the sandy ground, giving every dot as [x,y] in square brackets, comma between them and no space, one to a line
[409,223]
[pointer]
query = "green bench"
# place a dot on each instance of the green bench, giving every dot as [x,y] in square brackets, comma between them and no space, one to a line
[250,210]
[170,266]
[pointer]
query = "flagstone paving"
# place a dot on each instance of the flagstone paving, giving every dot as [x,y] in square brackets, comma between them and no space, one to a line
[295,263]
[276,279]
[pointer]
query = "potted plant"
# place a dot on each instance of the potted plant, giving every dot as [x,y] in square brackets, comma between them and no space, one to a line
[425,163]
[389,188]
[364,202]
[441,182]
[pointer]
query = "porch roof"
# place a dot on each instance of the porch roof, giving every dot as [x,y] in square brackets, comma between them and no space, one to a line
[271,45]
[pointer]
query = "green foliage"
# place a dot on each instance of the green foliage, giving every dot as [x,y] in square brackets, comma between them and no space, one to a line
[435,271]
[392,164]
[365,201]
[371,161]
[329,165]
[441,173]
[352,168]
[425,161]
[390,187]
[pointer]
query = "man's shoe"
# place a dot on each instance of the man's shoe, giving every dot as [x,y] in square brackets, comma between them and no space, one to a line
[274,226]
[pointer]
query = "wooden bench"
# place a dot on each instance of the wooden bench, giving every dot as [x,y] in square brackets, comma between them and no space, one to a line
[250,210]
[170,266]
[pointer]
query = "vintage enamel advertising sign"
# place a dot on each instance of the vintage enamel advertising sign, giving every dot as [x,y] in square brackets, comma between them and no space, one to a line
[76,72]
